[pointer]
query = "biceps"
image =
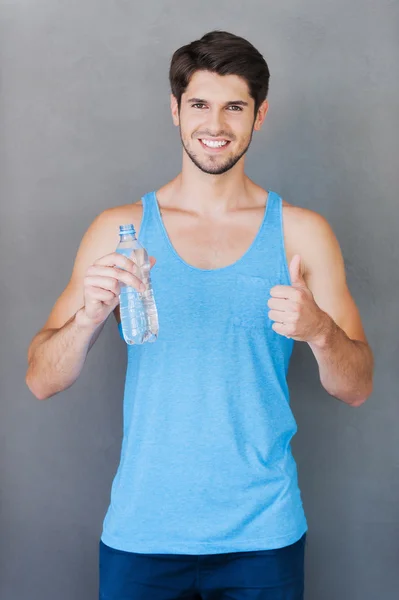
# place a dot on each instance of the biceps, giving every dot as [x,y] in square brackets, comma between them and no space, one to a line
[342,309]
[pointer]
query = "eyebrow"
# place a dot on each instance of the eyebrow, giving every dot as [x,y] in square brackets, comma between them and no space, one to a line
[231,103]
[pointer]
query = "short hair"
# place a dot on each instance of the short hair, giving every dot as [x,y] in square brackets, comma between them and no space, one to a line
[225,54]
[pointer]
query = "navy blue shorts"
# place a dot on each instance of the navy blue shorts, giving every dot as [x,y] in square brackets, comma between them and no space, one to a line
[260,575]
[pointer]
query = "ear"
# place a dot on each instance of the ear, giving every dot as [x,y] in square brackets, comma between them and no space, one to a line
[260,117]
[174,107]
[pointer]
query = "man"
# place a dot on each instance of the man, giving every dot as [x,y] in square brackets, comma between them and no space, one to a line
[205,503]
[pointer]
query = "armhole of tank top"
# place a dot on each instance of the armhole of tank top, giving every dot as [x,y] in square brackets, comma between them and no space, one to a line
[282,238]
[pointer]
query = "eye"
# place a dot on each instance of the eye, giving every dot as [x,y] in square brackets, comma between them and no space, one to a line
[235,108]
[199,105]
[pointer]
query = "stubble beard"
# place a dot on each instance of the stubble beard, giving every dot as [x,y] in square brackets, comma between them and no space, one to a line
[217,169]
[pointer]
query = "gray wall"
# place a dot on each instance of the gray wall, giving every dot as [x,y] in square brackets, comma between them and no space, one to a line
[85,125]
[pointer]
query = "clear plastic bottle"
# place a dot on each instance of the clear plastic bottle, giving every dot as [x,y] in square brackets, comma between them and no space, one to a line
[139,315]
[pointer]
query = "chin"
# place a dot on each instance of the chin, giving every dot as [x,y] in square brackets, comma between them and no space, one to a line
[214,169]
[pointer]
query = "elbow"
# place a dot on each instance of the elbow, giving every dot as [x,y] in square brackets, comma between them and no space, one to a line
[353,398]
[357,402]
[35,388]
[360,397]
[366,390]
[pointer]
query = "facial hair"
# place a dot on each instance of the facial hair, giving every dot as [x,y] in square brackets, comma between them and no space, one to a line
[217,169]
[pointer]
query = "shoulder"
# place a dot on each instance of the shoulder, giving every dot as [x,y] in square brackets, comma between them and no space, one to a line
[102,236]
[107,222]
[309,234]
[119,215]
[304,220]
[306,226]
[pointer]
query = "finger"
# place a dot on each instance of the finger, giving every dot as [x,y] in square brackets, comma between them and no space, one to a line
[285,291]
[116,260]
[277,315]
[102,271]
[282,304]
[152,261]
[114,273]
[283,329]
[108,284]
[283,317]
[113,284]
[96,293]
[296,276]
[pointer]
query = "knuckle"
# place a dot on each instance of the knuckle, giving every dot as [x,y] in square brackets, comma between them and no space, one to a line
[114,286]
[122,276]
[124,262]
[134,282]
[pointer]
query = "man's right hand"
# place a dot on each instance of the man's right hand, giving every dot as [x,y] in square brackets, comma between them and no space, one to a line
[102,286]
[58,351]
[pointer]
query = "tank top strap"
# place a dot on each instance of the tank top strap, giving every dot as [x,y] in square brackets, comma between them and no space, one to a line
[270,255]
[273,208]
[270,227]
[274,221]
[149,214]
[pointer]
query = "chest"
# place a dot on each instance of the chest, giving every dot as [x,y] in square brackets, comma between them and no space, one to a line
[212,243]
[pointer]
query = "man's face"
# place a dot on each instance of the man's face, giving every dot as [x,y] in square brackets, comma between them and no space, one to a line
[216,120]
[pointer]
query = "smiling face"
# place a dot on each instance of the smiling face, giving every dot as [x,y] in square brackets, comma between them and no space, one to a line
[216,120]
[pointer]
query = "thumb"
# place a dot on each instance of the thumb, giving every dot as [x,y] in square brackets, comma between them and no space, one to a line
[297,279]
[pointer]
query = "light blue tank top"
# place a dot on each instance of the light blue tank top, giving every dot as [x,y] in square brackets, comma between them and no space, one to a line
[206,464]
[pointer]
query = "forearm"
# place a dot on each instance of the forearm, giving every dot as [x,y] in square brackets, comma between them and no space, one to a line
[345,365]
[56,356]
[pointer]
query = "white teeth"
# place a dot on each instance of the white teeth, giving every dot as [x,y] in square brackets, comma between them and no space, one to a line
[214,144]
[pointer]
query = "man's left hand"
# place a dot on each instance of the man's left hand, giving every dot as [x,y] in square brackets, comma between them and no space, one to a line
[294,310]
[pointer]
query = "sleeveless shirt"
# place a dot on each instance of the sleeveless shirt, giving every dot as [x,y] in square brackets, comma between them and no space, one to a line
[206,465]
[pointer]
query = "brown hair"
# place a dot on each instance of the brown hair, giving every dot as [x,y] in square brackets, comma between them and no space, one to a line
[225,54]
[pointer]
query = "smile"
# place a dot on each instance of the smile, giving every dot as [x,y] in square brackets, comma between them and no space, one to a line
[214,144]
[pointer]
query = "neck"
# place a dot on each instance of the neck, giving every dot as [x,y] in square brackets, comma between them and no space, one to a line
[211,194]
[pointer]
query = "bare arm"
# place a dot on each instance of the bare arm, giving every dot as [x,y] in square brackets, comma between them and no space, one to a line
[319,309]
[341,349]
[345,365]
[58,352]
[56,356]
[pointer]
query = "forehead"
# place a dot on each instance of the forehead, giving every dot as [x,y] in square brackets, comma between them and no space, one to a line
[211,86]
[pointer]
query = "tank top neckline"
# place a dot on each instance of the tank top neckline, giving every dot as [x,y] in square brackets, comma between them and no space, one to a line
[241,259]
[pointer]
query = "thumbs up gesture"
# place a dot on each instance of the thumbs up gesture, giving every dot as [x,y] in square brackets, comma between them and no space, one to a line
[293,308]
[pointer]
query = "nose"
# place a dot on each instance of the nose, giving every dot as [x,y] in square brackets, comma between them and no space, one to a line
[216,121]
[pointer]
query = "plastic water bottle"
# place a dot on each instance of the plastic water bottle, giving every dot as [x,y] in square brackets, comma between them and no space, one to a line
[139,315]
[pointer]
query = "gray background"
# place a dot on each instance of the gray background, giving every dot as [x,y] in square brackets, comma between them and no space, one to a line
[85,125]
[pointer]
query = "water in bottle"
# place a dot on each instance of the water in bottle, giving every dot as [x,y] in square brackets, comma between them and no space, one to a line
[139,315]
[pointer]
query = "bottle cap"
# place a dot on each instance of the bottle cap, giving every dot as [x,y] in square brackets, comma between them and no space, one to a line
[126,229]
